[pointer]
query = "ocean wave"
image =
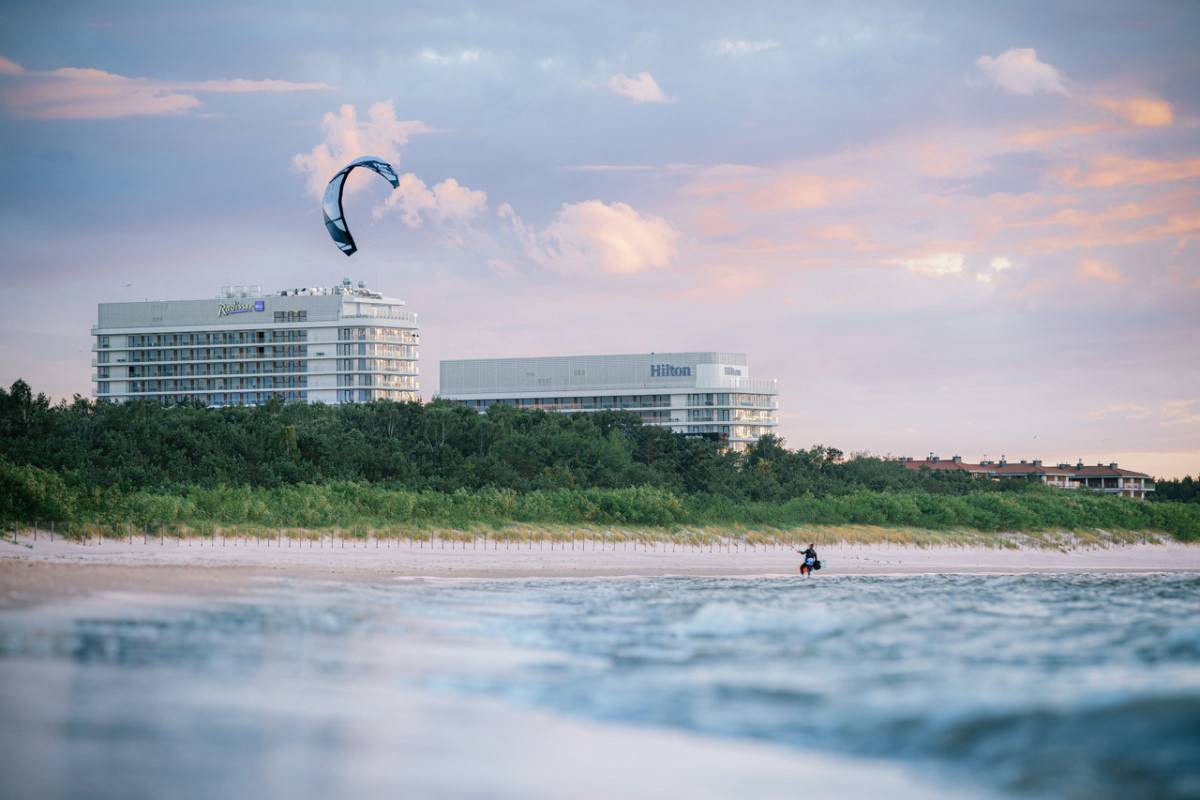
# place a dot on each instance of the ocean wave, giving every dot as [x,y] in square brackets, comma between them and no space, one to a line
[728,618]
[1136,747]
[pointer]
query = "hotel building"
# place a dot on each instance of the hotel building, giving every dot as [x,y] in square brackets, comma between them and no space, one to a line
[1106,478]
[321,345]
[697,394]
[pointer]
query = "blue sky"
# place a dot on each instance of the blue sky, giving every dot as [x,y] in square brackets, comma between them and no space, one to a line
[952,227]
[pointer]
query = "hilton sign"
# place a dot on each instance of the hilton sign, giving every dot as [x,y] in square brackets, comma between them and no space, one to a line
[669,371]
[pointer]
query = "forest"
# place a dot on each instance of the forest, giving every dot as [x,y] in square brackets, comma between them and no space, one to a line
[443,464]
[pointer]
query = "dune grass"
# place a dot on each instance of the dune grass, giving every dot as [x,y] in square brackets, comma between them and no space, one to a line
[586,537]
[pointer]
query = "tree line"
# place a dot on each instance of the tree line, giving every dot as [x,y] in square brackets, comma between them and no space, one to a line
[439,446]
[294,463]
[1185,489]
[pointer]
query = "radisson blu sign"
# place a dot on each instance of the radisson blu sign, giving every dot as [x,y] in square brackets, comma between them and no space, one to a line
[669,371]
[225,309]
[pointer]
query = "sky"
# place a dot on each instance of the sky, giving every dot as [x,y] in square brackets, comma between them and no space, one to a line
[960,228]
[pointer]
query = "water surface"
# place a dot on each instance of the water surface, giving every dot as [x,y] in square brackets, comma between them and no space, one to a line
[1037,686]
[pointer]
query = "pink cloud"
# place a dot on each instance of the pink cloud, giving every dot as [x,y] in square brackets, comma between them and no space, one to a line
[10,67]
[446,202]
[1037,137]
[797,192]
[1078,218]
[1151,112]
[720,179]
[1096,270]
[75,93]
[1118,170]
[1139,112]
[715,221]
[640,88]
[841,231]
[1020,71]
[594,236]
[347,138]
[1178,225]
[720,282]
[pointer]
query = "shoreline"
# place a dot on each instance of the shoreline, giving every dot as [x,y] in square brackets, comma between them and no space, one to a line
[32,572]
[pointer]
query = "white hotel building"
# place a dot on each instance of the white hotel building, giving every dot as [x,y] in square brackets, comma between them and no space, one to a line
[321,345]
[699,394]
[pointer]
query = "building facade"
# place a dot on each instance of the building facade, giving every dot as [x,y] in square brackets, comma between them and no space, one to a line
[698,394]
[1111,479]
[320,345]
[1106,478]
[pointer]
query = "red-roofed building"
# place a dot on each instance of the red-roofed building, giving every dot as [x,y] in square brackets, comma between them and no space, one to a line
[1107,478]
[956,463]
[1111,479]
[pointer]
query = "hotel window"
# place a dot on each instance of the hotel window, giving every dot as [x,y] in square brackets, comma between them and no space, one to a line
[104,341]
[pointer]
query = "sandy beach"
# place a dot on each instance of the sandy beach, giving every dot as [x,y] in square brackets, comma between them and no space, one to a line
[32,571]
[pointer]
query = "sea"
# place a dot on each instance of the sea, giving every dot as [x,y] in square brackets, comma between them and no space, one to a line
[1076,686]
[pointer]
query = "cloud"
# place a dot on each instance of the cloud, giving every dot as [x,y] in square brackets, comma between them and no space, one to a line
[1182,227]
[1149,112]
[777,189]
[1128,411]
[500,266]
[719,180]
[1117,170]
[1171,412]
[74,93]
[838,232]
[1142,112]
[998,265]
[448,202]
[456,57]
[1094,270]
[1180,412]
[640,88]
[721,283]
[1018,71]
[737,48]
[346,138]
[1037,137]
[798,191]
[594,236]
[937,265]
[625,167]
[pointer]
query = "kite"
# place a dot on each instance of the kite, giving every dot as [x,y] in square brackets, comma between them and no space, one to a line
[331,204]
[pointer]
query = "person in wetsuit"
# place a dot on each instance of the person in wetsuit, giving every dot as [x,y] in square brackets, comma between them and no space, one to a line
[810,559]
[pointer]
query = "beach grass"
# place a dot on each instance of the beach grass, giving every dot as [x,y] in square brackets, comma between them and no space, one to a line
[587,537]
